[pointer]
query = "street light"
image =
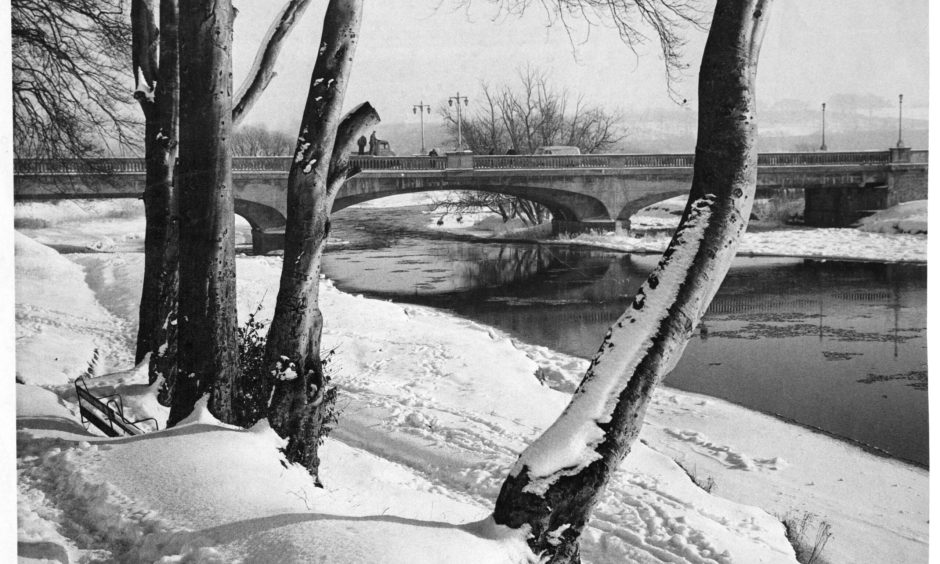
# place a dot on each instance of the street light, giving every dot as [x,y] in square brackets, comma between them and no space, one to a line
[900,113]
[450,102]
[419,109]
[823,146]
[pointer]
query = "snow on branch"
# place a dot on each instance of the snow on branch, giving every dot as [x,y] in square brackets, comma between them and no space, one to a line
[262,69]
[569,445]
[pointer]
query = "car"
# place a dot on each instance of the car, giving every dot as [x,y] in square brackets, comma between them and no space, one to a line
[558,150]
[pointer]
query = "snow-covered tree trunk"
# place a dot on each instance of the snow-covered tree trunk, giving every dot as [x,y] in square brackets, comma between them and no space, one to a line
[558,479]
[156,330]
[158,304]
[207,350]
[319,168]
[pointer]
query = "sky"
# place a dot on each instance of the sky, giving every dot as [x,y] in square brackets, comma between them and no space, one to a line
[412,52]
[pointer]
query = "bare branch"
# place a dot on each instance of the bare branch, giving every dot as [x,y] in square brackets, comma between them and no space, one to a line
[262,70]
[69,58]
[634,20]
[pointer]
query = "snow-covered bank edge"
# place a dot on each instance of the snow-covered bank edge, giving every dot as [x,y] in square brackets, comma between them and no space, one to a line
[421,386]
[895,235]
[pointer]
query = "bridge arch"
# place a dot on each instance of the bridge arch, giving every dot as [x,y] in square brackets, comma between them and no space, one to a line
[564,205]
[259,216]
[641,202]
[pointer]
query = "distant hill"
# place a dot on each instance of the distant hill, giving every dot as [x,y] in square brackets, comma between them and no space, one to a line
[674,130]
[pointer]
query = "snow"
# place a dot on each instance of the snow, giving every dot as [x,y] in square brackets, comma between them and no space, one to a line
[435,409]
[59,320]
[831,244]
[897,234]
[908,217]
[569,444]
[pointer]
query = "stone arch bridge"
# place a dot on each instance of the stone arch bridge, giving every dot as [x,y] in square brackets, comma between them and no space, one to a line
[582,191]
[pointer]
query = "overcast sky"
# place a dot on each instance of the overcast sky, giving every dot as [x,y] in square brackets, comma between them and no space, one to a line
[412,51]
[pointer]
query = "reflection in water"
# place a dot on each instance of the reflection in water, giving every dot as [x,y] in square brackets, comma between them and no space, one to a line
[838,346]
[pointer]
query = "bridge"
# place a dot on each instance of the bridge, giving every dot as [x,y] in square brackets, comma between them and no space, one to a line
[581,191]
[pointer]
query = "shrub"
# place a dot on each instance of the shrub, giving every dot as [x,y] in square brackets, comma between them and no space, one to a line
[251,343]
[707,483]
[252,340]
[807,546]
[777,210]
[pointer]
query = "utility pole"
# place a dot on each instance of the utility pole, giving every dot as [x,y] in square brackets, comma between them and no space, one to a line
[900,113]
[419,109]
[450,102]
[823,146]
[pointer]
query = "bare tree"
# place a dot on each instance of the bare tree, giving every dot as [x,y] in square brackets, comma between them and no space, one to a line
[207,350]
[158,97]
[558,479]
[298,409]
[532,114]
[507,207]
[69,99]
[520,118]
[258,140]
[156,70]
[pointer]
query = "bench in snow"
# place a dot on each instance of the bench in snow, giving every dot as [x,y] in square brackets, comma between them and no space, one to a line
[106,412]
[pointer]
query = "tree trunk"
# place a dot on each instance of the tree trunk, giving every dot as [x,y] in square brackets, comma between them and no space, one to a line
[156,331]
[556,482]
[158,304]
[159,152]
[207,354]
[320,166]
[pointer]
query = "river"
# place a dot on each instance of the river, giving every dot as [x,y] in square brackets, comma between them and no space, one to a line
[837,346]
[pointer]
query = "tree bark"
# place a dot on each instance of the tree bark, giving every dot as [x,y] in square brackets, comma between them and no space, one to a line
[556,482]
[320,166]
[156,330]
[158,304]
[207,354]
[296,409]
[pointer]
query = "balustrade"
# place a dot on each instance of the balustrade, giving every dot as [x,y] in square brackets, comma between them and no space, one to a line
[480,162]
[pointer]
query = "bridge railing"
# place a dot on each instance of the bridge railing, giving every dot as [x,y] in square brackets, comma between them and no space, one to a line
[79,166]
[580,161]
[824,158]
[480,162]
[399,163]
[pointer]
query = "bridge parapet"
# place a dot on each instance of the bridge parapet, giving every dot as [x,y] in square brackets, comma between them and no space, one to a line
[281,164]
[824,158]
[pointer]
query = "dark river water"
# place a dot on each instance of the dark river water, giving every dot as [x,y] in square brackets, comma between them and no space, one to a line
[839,346]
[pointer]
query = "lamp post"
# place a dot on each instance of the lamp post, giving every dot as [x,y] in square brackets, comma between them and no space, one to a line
[900,113]
[450,102]
[419,109]
[823,146]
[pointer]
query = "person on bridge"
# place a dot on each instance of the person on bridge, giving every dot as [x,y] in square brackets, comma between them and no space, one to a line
[373,144]
[362,144]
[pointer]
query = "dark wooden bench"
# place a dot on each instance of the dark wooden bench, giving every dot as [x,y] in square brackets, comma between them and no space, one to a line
[106,412]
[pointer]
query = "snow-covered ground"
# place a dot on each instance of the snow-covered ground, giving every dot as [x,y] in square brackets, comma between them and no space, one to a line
[833,243]
[435,410]
[898,234]
[909,217]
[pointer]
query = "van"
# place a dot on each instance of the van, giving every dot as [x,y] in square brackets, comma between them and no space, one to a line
[558,150]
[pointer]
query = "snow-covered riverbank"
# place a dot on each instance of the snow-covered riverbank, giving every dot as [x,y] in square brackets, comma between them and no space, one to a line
[435,408]
[818,243]
[898,234]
